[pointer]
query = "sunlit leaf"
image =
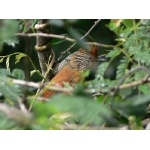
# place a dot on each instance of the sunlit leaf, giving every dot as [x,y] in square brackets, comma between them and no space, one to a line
[33,72]
[128,22]
[19,57]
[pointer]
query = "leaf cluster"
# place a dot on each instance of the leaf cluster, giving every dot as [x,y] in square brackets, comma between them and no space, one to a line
[103,102]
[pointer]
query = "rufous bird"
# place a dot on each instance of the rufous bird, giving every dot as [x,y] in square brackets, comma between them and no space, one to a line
[70,70]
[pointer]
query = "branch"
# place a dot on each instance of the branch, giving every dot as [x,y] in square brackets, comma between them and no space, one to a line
[26,83]
[100,44]
[38,85]
[135,83]
[62,37]
[126,85]
[128,74]
[70,90]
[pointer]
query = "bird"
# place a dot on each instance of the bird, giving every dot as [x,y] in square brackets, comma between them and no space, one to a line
[71,69]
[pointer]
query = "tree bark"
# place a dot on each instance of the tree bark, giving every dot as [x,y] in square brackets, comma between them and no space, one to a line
[44,50]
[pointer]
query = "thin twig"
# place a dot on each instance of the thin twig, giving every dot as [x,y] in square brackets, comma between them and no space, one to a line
[86,34]
[49,67]
[95,24]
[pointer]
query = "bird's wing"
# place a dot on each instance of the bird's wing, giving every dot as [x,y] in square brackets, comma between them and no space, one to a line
[64,75]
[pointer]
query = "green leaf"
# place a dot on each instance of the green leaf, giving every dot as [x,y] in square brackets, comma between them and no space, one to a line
[145,21]
[2,59]
[101,70]
[58,119]
[128,23]
[83,109]
[57,22]
[19,57]
[33,72]
[8,89]
[122,68]
[5,72]
[6,123]
[144,88]
[19,74]
[113,53]
[143,57]
[135,123]
[135,105]
[7,31]
[140,100]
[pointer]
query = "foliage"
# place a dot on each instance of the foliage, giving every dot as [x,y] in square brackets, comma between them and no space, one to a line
[8,37]
[117,97]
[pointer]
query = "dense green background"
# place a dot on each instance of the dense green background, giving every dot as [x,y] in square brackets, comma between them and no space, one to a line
[118,95]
